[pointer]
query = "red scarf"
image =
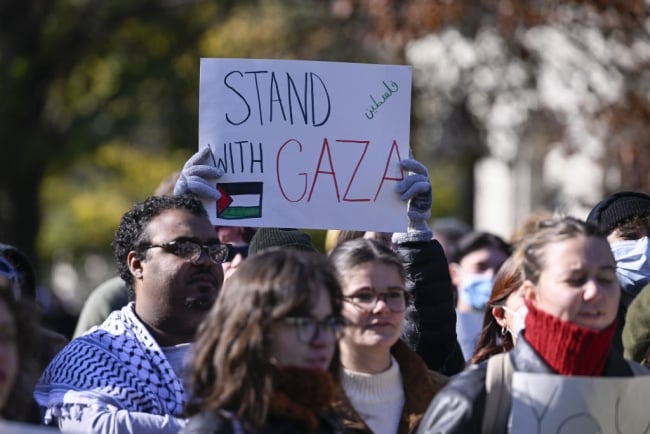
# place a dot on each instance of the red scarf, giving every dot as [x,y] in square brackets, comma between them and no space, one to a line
[302,394]
[566,347]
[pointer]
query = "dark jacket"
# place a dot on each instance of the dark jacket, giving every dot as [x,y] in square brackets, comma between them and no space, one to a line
[430,328]
[209,422]
[636,330]
[459,407]
[420,386]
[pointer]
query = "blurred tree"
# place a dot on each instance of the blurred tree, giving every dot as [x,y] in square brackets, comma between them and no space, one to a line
[519,80]
[99,101]
[74,74]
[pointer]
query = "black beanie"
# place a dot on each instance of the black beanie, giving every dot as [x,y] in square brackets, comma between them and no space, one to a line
[265,238]
[618,207]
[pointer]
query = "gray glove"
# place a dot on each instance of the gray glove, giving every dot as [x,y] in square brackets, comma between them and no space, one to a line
[416,189]
[196,173]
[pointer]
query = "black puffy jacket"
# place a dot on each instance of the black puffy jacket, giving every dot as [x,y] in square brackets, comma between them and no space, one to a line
[459,407]
[430,328]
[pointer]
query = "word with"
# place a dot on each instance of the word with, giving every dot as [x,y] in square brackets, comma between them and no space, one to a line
[232,161]
[393,88]
[312,106]
[325,166]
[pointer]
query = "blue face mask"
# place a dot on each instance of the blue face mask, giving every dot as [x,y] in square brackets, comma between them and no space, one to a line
[632,265]
[476,290]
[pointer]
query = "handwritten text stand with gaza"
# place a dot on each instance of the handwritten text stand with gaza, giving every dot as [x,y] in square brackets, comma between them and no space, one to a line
[306,144]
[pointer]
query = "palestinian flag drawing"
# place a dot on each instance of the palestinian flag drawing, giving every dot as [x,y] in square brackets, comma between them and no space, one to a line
[240,200]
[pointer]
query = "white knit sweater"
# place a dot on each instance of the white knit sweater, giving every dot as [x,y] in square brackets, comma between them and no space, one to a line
[378,398]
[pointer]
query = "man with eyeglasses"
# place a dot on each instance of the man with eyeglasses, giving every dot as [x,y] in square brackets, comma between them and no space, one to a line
[112,294]
[126,375]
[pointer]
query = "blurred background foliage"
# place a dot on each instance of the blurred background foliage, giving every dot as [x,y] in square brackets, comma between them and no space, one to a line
[99,100]
[86,200]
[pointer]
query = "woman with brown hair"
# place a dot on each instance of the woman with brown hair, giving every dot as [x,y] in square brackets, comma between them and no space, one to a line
[504,318]
[387,385]
[265,358]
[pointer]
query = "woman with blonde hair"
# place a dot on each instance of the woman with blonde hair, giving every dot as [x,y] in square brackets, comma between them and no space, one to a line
[572,294]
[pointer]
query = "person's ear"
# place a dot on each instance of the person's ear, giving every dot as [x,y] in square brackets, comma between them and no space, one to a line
[499,316]
[454,273]
[135,264]
[530,294]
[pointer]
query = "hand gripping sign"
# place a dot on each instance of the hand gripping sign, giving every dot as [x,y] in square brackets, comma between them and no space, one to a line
[306,144]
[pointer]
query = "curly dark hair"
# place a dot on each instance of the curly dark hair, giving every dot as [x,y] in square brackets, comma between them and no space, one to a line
[132,230]
[634,227]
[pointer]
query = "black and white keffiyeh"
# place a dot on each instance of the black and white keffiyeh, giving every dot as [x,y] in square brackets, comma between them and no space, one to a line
[117,364]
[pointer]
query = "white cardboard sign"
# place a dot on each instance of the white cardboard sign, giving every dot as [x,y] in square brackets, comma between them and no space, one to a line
[555,404]
[306,144]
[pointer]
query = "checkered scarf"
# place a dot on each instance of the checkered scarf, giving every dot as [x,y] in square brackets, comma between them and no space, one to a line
[117,363]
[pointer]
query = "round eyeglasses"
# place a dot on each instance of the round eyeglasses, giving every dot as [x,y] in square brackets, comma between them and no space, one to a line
[308,328]
[187,249]
[367,300]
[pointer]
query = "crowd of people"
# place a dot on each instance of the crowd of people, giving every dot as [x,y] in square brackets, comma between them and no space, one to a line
[211,330]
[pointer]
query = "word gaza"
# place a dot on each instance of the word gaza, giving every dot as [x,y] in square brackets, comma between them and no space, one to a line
[296,186]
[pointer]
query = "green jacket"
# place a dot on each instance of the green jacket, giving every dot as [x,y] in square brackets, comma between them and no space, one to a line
[636,332]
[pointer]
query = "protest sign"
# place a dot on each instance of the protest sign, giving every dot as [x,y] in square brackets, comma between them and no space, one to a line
[306,144]
[556,404]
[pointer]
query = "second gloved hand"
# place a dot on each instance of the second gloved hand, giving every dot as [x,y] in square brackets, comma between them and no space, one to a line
[195,176]
[416,189]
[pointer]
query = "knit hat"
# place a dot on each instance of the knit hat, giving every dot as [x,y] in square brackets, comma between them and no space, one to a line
[265,238]
[618,207]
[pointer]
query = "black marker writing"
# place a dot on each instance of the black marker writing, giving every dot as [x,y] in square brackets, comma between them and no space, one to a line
[241,156]
[269,98]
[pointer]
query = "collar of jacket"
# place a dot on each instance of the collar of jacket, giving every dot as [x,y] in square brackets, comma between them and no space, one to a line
[417,393]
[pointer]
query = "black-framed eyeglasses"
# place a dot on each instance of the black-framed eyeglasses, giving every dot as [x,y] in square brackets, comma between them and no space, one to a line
[188,249]
[308,328]
[367,300]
